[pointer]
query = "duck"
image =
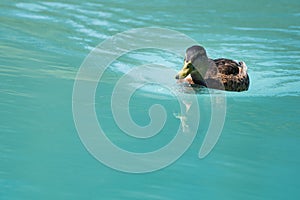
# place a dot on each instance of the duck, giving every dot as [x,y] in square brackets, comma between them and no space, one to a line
[222,73]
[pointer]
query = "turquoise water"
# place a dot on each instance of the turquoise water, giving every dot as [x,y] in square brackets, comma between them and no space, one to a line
[42,47]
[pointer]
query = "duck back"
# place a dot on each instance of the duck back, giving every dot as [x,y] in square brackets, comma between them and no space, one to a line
[232,74]
[227,66]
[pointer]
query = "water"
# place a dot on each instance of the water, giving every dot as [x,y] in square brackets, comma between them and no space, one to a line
[42,47]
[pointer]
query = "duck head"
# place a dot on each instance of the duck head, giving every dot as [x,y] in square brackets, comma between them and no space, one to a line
[195,61]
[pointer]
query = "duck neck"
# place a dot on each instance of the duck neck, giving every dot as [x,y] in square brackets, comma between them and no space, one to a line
[202,65]
[197,78]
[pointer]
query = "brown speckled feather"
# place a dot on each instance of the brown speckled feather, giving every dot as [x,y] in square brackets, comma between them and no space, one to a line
[230,76]
[233,74]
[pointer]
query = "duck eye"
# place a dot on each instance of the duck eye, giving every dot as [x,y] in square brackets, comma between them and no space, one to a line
[189,66]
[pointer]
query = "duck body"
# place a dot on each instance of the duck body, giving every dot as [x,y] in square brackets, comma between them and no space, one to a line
[233,75]
[221,73]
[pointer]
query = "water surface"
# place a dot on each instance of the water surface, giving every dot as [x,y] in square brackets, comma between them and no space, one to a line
[42,47]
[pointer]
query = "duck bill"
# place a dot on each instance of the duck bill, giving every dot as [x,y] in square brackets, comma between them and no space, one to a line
[181,75]
[184,72]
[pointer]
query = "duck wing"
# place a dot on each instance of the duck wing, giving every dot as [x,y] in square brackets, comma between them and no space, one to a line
[232,74]
[227,66]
